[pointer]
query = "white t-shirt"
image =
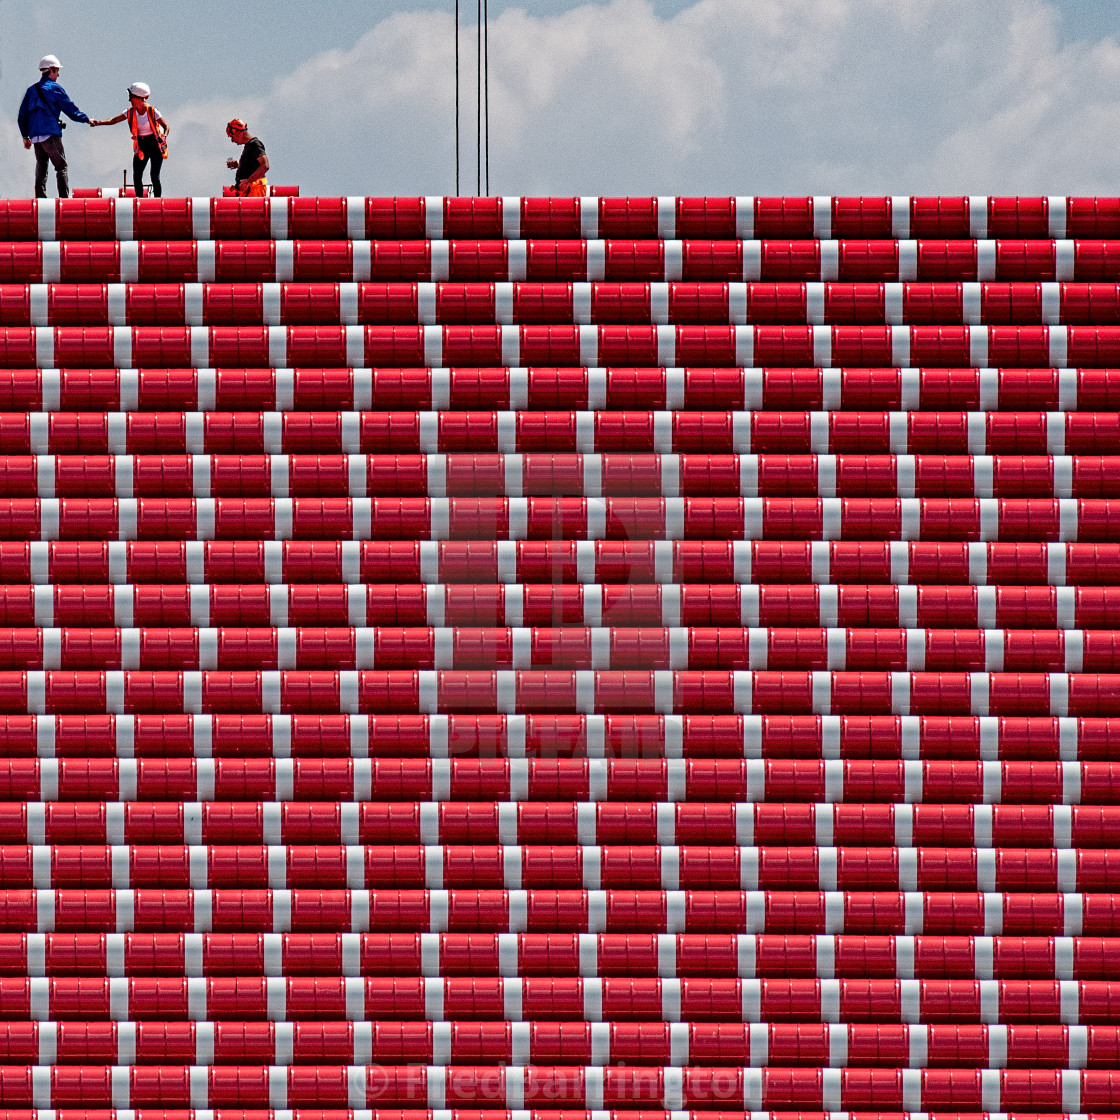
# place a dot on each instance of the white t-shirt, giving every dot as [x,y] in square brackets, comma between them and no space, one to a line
[143,124]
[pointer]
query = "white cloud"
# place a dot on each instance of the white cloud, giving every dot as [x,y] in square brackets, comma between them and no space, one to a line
[728,96]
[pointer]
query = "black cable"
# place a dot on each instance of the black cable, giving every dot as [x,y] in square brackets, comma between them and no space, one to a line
[456,96]
[486,41]
[478,75]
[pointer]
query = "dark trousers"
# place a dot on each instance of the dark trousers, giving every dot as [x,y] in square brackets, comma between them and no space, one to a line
[148,156]
[51,149]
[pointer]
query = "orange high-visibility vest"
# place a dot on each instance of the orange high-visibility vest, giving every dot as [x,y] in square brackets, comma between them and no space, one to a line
[159,131]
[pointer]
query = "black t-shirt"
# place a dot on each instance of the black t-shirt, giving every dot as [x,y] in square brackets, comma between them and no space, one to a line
[250,156]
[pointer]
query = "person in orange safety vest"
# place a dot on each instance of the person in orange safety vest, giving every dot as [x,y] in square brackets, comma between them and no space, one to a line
[149,137]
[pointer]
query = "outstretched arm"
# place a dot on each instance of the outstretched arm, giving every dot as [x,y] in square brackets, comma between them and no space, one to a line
[65,105]
[110,120]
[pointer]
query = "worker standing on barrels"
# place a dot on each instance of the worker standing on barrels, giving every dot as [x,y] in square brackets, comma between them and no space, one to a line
[252,167]
[41,126]
[149,137]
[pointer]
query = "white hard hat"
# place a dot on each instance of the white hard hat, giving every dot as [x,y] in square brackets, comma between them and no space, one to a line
[49,62]
[140,89]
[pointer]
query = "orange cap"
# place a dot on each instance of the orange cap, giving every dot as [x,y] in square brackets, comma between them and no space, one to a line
[236,125]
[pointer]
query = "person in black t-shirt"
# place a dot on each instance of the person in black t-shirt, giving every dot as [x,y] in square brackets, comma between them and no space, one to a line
[252,167]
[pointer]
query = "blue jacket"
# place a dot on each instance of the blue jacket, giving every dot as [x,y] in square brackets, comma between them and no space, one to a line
[42,103]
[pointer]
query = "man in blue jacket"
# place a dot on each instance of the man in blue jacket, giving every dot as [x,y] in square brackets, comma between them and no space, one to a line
[40,125]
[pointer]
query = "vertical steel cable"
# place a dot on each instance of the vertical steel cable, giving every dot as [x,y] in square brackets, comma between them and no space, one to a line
[486,80]
[456,96]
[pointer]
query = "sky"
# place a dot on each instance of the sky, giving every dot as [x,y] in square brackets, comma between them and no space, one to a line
[611,97]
